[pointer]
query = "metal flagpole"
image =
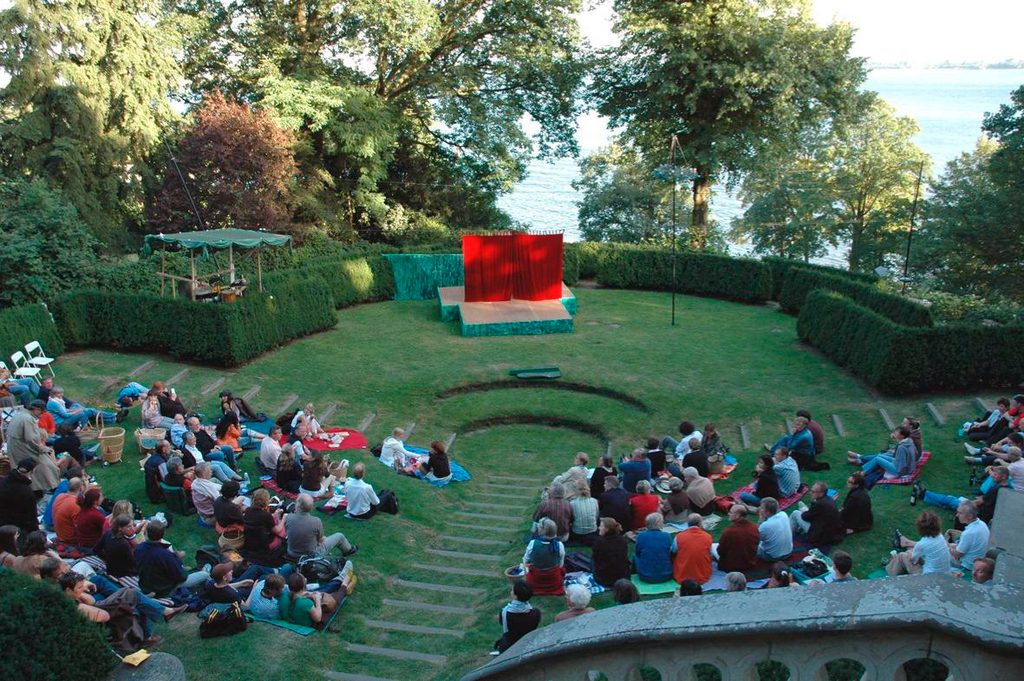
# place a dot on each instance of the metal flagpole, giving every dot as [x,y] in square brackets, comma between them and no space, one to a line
[910,232]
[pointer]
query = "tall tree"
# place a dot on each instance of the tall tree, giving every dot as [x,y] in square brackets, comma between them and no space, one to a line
[732,78]
[87,99]
[239,167]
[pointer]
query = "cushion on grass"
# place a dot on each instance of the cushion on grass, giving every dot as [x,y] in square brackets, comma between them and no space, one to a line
[907,479]
[648,589]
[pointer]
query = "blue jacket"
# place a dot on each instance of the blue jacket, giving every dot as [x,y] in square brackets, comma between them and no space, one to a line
[160,570]
[633,472]
[653,556]
[801,442]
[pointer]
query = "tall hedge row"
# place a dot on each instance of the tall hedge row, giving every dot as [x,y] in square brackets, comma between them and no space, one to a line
[26,323]
[349,279]
[700,274]
[782,265]
[899,359]
[798,282]
[215,333]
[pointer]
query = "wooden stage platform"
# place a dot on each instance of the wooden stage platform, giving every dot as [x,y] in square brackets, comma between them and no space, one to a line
[510,317]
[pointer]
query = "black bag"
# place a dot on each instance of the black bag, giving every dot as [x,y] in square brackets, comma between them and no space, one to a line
[377,450]
[208,554]
[320,569]
[223,623]
[285,422]
[388,502]
[578,562]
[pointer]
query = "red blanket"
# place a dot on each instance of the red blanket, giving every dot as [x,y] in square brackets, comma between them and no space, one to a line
[550,582]
[907,479]
[354,440]
[784,503]
[271,485]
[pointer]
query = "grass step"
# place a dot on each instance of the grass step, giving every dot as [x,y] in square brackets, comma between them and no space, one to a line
[515,478]
[414,628]
[210,387]
[489,516]
[448,570]
[494,507]
[474,540]
[506,497]
[345,676]
[396,653]
[462,555]
[141,369]
[176,378]
[443,588]
[429,607]
[482,528]
[495,485]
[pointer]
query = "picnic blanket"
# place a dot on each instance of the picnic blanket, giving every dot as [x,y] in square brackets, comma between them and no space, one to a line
[352,439]
[907,479]
[584,579]
[271,485]
[648,589]
[717,581]
[784,502]
[728,466]
[459,474]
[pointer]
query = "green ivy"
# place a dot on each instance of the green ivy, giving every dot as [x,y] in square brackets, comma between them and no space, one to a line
[798,282]
[24,324]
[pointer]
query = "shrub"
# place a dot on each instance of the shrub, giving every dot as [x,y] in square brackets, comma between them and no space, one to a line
[782,265]
[798,282]
[43,636]
[899,359]
[701,274]
[350,279]
[588,257]
[24,324]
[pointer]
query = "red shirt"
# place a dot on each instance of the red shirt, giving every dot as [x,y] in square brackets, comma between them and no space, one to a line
[737,547]
[47,423]
[693,556]
[818,435]
[90,526]
[65,511]
[643,505]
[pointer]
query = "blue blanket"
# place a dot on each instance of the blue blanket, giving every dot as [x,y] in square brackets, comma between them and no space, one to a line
[459,474]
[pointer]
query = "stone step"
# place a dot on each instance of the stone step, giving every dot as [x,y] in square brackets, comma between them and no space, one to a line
[252,392]
[474,540]
[210,387]
[396,653]
[495,507]
[462,555]
[367,420]
[428,607]
[481,528]
[516,478]
[170,382]
[981,405]
[889,423]
[411,426]
[289,400]
[414,628]
[838,423]
[744,436]
[940,420]
[488,516]
[443,588]
[449,441]
[141,369]
[448,570]
[495,485]
[506,497]
[326,414]
[345,676]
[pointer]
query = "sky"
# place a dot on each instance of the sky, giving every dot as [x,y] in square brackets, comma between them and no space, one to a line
[920,32]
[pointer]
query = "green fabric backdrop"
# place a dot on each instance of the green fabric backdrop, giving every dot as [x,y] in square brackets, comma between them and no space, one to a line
[418,275]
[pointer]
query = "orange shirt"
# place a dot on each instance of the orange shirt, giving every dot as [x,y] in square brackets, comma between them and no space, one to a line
[47,423]
[231,438]
[693,556]
[65,510]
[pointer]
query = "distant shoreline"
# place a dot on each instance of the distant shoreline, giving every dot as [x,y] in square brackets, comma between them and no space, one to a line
[1009,65]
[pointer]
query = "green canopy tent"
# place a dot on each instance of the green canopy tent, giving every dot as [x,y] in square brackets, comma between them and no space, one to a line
[216,239]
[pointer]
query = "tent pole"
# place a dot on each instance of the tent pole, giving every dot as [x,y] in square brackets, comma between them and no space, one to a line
[192,260]
[231,264]
[259,270]
[162,278]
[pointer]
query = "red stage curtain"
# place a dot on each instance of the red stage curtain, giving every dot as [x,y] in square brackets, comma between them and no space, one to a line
[488,263]
[538,267]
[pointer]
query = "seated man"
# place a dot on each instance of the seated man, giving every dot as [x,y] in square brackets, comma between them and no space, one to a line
[842,565]
[687,431]
[653,555]
[692,549]
[555,507]
[775,532]
[570,479]
[270,452]
[787,472]
[229,507]
[614,502]
[996,453]
[800,444]
[25,389]
[896,465]
[985,505]
[972,542]
[984,427]
[393,453]
[67,411]
[170,403]
[65,510]
[160,569]
[205,492]
[820,525]
[697,458]
[305,533]
[817,432]
[737,547]
[362,500]
[984,569]
[191,456]
[700,490]
[632,471]
[518,618]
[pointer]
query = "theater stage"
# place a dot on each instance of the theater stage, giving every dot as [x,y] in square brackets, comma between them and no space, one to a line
[510,317]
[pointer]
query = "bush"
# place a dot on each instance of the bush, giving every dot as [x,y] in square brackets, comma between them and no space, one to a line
[899,359]
[350,279]
[43,636]
[214,333]
[782,265]
[700,274]
[798,282]
[24,324]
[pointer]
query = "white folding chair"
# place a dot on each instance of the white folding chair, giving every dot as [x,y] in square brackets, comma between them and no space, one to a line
[6,415]
[38,358]
[22,369]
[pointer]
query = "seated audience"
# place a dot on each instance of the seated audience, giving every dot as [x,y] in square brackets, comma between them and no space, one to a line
[766,483]
[239,407]
[983,570]
[676,506]
[842,564]
[610,555]
[270,452]
[129,395]
[307,608]
[692,551]
[230,433]
[985,504]
[625,592]
[972,542]
[33,554]
[120,611]
[289,474]
[65,509]
[436,467]
[205,491]
[307,417]
[176,434]
[614,502]
[996,453]
[637,468]
[653,555]
[518,618]
[228,508]
[264,596]
[689,587]
[800,444]
[929,554]
[856,511]
[656,455]
[737,547]
[25,442]
[9,536]
[219,588]
[555,507]
[317,480]
[780,576]
[160,569]
[819,526]
[117,549]
[25,389]
[585,515]
[711,445]
[902,462]
[151,413]
[264,531]
[577,597]
[393,452]
[545,558]
[984,427]
[67,442]
[787,472]
[687,432]
[696,458]
[775,532]
[605,468]
[90,523]
[570,479]
[305,533]
[817,432]
[1011,421]
[170,403]
[700,490]
[68,411]
[17,501]
[735,581]
[362,500]
[643,503]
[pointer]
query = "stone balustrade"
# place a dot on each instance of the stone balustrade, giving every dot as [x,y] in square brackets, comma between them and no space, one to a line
[976,631]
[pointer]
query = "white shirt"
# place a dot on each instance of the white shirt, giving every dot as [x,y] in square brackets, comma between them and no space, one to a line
[270,450]
[932,553]
[393,450]
[204,493]
[1016,471]
[683,448]
[194,451]
[360,496]
[973,543]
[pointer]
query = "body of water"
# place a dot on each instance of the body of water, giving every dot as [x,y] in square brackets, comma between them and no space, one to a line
[948,104]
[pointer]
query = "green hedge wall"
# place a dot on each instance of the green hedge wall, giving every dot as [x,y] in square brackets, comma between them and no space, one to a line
[898,359]
[349,279]
[718,276]
[782,265]
[24,324]
[214,333]
[797,283]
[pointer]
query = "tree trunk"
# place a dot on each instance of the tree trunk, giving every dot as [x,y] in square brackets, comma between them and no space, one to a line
[701,199]
[856,244]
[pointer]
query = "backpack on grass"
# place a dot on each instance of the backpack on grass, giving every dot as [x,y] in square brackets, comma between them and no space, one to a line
[320,569]
[226,622]
[388,502]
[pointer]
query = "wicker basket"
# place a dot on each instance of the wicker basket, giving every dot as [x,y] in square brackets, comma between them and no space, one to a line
[148,438]
[111,444]
[5,466]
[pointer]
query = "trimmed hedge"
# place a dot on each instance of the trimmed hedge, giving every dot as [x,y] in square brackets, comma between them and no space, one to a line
[782,265]
[701,274]
[24,324]
[215,333]
[898,359]
[43,636]
[797,283]
[350,279]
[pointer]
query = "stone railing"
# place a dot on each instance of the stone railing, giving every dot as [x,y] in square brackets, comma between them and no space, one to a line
[976,631]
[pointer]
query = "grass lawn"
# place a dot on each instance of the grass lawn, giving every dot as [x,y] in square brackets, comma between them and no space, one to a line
[724,362]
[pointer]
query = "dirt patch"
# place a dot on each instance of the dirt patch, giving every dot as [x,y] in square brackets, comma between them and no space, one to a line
[534,420]
[545,385]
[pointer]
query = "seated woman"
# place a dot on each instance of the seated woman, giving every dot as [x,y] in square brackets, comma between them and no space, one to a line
[897,465]
[176,433]
[312,608]
[289,475]
[90,523]
[238,406]
[653,555]
[436,467]
[230,433]
[307,417]
[656,455]
[766,484]
[151,416]
[780,576]
[317,480]
[676,506]
[264,531]
[33,554]
[856,510]
[393,453]
[577,597]
[117,548]
[229,508]
[264,597]
[610,554]
[544,559]
[585,515]
[69,443]
[929,554]
[625,592]
[170,403]
[643,503]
